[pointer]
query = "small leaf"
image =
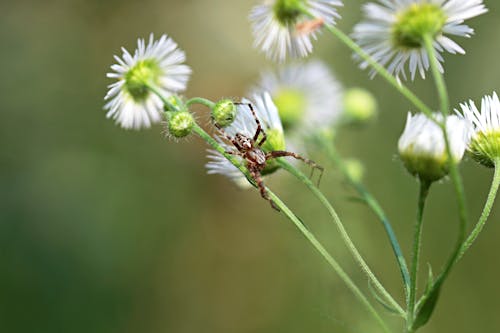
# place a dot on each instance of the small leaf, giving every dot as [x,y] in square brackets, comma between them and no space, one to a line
[356,200]
[427,305]
[382,302]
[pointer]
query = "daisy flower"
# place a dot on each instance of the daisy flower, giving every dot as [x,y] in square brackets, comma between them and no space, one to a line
[281,29]
[244,123]
[308,96]
[394,30]
[158,65]
[484,145]
[423,149]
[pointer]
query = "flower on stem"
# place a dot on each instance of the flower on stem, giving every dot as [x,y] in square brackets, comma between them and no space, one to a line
[281,28]
[245,124]
[423,149]
[393,33]
[156,65]
[484,144]
[308,96]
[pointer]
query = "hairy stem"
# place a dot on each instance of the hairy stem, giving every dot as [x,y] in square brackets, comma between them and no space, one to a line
[454,174]
[485,214]
[343,233]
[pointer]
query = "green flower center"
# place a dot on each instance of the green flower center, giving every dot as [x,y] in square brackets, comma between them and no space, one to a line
[287,11]
[418,20]
[138,77]
[291,104]
[485,148]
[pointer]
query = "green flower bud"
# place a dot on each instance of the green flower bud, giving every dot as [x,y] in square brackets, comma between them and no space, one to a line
[224,112]
[423,149]
[180,124]
[355,169]
[414,23]
[360,105]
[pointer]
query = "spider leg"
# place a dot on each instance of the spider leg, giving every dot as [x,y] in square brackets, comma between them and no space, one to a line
[260,183]
[228,138]
[314,165]
[259,125]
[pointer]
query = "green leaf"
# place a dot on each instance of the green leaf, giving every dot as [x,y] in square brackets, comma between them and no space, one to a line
[427,304]
[356,199]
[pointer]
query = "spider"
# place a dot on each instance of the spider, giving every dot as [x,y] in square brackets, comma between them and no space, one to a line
[249,148]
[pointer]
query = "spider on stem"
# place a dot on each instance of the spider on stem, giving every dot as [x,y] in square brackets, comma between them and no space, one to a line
[250,149]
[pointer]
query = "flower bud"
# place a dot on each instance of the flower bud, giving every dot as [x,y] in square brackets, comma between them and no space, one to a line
[180,124]
[224,112]
[423,149]
[355,169]
[360,105]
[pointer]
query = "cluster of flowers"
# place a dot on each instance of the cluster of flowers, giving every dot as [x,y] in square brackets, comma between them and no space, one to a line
[301,98]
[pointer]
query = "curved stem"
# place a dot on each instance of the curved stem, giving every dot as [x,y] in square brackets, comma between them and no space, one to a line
[372,203]
[417,236]
[485,214]
[324,253]
[345,236]
[158,93]
[198,100]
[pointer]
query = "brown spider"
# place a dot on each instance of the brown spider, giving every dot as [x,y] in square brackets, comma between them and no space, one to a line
[255,158]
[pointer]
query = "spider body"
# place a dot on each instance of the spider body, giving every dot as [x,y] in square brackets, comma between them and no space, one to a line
[250,150]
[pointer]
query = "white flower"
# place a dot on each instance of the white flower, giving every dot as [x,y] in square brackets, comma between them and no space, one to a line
[485,141]
[245,124]
[308,96]
[276,25]
[158,64]
[423,149]
[393,31]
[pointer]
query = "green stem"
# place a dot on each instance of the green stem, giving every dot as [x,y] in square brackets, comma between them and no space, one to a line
[332,153]
[417,236]
[324,253]
[296,221]
[345,236]
[158,93]
[485,214]
[438,76]
[454,174]
[198,100]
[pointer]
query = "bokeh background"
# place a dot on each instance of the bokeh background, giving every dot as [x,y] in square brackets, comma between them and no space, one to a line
[106,230]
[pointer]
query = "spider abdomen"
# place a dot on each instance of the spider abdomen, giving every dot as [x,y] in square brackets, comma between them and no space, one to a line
[256,156]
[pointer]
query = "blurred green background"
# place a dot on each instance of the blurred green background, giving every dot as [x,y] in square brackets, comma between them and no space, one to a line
[106,230]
